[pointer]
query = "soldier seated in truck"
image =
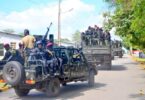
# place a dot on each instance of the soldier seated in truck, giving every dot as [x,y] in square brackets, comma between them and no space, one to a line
[76,56]
[7,53]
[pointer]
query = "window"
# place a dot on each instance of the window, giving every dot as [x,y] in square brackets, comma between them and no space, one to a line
[13,45]
[1,50]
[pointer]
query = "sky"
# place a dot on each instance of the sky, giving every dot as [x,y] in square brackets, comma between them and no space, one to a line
[36,15]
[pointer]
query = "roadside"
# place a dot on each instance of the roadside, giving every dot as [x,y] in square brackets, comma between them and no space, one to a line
[124,82]
[3,86]
[141,61]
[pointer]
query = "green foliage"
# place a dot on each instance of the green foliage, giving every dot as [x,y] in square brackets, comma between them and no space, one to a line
[76,36]
[63,40]
[21,33]
[8,30]
[129,20]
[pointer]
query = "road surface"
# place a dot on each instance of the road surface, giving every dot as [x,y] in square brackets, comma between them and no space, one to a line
[126,81]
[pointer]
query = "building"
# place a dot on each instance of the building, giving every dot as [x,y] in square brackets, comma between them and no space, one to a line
[12,39]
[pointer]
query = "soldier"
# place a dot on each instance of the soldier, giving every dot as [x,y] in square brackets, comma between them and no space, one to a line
[83,38]
[95,36]
[7,53]
[28,40]
[103,38]
[87,38]
[49,46]
[39,47]
[21,49]
[76,56]
[100,36]
[92,34]
[108,38]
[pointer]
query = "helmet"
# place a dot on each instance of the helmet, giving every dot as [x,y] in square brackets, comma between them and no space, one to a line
[39,42]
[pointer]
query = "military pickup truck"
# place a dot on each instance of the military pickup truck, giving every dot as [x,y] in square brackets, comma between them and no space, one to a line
[46,71]
[37,75]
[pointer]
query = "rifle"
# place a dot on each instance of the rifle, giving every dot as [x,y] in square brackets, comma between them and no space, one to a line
[44,39]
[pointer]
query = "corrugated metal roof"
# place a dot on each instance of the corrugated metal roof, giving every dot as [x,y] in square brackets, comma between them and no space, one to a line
[11,34]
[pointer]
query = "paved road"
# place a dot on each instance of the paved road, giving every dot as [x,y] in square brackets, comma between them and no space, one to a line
[123,82]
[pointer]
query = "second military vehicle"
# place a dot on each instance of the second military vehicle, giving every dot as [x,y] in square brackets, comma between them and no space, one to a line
[96,47]
[117,48]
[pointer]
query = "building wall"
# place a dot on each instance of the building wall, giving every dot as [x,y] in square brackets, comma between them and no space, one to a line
[9,38]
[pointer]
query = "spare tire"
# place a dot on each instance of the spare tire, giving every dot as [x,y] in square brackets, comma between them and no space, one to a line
[91,78]
[13,73]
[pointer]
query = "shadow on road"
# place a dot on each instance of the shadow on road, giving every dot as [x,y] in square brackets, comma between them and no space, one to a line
[131,63]
[118,68]
[117,58]
[68,92]
[140,97]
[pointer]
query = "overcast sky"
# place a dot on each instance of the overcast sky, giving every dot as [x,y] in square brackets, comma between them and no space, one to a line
[37,14]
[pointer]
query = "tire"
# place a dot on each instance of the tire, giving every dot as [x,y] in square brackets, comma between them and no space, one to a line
[21,92]
[91,78]
[13,73]
[109,65]
[53,88]
[112,57]
[120,56]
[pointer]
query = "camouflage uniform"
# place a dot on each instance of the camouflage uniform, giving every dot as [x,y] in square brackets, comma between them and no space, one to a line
[108,38]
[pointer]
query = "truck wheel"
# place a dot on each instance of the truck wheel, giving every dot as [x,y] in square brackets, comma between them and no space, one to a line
[120,56]
[13,73]
[109,65]
[21,92]
[112,57]
[91,78]
[53,88]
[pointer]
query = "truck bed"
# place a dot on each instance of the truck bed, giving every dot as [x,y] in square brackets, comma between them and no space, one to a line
[97,50]
[101,56]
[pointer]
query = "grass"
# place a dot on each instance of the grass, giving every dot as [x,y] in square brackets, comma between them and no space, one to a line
[139,60]
[1,84]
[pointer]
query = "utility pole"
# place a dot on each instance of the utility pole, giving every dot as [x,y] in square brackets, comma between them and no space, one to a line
[59,22]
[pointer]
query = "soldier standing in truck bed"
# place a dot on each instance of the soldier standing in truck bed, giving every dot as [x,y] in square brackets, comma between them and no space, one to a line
[28,40]
[108,38]
[83,38]
[87,37]
[95,36]
[100,36]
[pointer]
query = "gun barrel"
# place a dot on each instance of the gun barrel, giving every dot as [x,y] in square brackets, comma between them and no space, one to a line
[46,34]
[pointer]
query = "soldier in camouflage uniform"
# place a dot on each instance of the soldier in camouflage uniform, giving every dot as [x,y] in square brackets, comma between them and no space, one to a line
[100,36]
[108,38]
[83,39]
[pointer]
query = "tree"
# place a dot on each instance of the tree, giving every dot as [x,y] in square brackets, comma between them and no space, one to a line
[128,18]
[8,30]
[76,37]
[63,40]
[21,33]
